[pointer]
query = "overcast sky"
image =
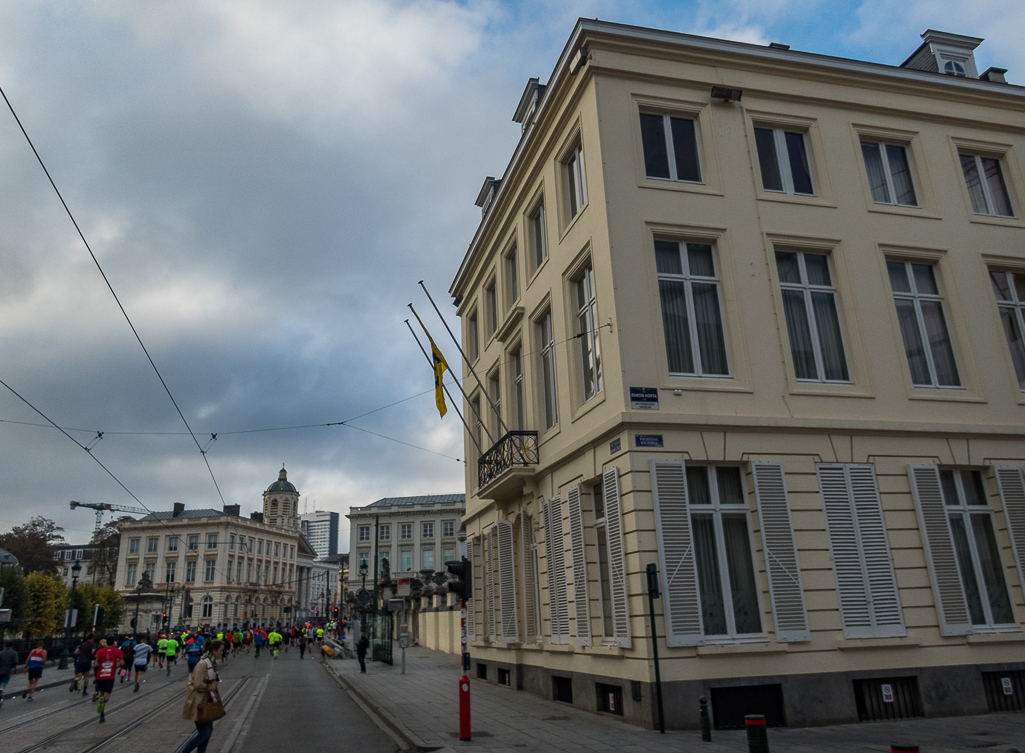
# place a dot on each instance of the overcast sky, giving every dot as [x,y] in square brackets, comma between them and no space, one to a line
[264,184]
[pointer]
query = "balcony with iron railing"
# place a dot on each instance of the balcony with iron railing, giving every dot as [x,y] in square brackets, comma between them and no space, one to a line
[501,470]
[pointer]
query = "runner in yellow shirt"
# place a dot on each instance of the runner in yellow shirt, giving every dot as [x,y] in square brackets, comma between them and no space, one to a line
[320,635]
[170,653]
[161,649]
[274,639]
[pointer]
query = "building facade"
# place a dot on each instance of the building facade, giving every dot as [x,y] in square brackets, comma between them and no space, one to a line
[95,568]
[215,567]
[753,317]
[321,530]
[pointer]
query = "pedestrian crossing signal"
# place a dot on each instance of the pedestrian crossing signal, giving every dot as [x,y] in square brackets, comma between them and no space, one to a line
[463,584]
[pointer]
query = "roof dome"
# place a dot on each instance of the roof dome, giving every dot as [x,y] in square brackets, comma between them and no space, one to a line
[282,484]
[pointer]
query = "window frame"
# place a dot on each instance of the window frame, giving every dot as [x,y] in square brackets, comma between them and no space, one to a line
[190,571]
[448,529]
[511,276]
[210,570]
[882,145]
[384,532]
[670,142]
[574,180]
[134,545]
[518,385]
[978,156]
[360,531]
[689,280]
[490,306]
[427,530]
[806,289]
[537,233]
[781,149]
[549,393]
[170,570]
[1016,305]
[152,545]
[585,308]
[473,335]
[405,531]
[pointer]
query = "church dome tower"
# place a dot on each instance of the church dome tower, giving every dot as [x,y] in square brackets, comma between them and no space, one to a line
[281,503]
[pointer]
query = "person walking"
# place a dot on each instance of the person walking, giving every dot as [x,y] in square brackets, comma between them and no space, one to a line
[302,645]
[34,666]
[202,683]
[108,660]
[161,650]
[142,653]
[361,651]
[83,663]
[8,663]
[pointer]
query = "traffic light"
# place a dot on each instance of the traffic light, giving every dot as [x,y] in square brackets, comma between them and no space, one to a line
[463,584]
[336,613]
[164,619]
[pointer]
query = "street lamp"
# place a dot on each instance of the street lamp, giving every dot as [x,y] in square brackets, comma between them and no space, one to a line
[75,570]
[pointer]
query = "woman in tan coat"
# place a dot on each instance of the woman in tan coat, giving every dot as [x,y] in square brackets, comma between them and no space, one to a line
[202,683]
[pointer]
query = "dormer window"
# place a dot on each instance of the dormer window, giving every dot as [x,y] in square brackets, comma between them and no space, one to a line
[954,68]
[942,52]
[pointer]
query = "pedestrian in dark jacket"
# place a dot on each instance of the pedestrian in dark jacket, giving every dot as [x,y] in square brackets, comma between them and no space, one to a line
[361,652]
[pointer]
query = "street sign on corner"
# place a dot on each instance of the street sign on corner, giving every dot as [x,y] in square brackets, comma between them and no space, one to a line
[644,398]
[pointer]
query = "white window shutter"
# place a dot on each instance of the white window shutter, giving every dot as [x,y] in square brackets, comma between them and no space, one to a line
[507,583]
[951,605]
[617,556]
[527,560]
[1011,482]
[781,564]
[555,547]
[576,539]
[471,621]
[676,553]
[865,580]
[884,596]
[489,553]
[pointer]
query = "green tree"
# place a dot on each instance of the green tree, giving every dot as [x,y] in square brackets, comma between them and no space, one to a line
[33,544]
[12,581]
[88,595]
[104,558]
[47,600]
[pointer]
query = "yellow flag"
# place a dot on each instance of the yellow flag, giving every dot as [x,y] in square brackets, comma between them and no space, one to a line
[440,364]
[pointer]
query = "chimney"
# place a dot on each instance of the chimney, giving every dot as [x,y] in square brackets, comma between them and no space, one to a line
[179,508]
[234,511]
[257,516]
[996,75]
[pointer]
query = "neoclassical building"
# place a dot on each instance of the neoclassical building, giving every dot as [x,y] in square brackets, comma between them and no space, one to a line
[216,567]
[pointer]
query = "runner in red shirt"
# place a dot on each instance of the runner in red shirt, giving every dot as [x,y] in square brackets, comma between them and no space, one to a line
[108,661]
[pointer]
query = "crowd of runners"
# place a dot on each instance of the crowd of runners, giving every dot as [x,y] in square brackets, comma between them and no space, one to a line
[117,659]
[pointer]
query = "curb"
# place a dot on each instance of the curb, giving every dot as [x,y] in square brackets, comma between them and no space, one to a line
[395,730]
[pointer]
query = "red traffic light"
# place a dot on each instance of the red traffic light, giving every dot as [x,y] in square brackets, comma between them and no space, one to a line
[463,584]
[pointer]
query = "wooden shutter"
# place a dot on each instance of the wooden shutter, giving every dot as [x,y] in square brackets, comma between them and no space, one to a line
[507,583]
[579,551]
[1011,482]
[555,547]
[471,617]
[951,605]
[527,560]
[781,564]
[489,556]
[676,553]
[865,581]
[617,557]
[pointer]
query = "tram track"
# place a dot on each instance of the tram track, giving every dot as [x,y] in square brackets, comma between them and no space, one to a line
[124,729]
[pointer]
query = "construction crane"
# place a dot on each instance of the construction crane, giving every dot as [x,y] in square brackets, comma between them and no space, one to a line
[102,508]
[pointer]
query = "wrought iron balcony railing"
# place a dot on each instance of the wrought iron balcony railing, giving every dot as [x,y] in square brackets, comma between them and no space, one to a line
[516,448]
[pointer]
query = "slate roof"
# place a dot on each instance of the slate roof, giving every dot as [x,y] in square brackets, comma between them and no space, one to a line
[168,514]
[426,499]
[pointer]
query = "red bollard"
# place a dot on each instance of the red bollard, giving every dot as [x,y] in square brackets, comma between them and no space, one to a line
[464,708]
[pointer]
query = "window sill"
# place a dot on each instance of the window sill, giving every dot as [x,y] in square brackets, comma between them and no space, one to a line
[724,649]
[705,384]
[562,648]
[986,219]
[845,644]
[511,320]
[945,395]
[679,185]
[999,635]
[825,389]
[589,406]
[903,211]
[787,198]
[600,650]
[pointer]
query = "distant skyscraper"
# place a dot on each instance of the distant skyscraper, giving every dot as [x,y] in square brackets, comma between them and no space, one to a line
[321,529]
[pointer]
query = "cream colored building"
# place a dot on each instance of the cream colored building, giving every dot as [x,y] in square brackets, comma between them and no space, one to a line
[752,316]
[215,567]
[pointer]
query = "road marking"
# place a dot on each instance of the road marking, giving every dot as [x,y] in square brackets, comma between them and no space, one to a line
[244,719]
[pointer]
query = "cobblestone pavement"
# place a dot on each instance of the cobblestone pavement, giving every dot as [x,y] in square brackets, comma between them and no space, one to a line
[423,706]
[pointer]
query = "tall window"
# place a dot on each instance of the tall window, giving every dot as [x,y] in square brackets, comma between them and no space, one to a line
[688,288]
[975,544]
[130,578]
[211,541]
[490,309]
[512,278]
[472,336]
[405,530]
[809,303]
[363,559]
[722,549]
[476,422]
[169,572]
[238,571]
[923,325]
[428,559]
[231,541]
[228,570]
[604,573]
[405,561]
[548,371]
[363,533]
[190,571]
[152,544]
[587,330]
[428,531]
[520,409]
[151,571]
[448,529]
[576,188]
[211,570]
[133,546]
[277,549]
[495,391]
[172,543]
[889,173]
[986,185]
[448,555]
[384,532]
[193,543]
[783,159]
[670,148]
[259,546]
[208,607]
[1009,288]
[538,235]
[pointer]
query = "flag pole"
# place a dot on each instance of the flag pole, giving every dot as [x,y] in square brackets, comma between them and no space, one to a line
[483,425]
[445,387]
[498,413]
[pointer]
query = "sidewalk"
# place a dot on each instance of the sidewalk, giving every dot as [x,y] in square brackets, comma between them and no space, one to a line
[52,677]
[422,707]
